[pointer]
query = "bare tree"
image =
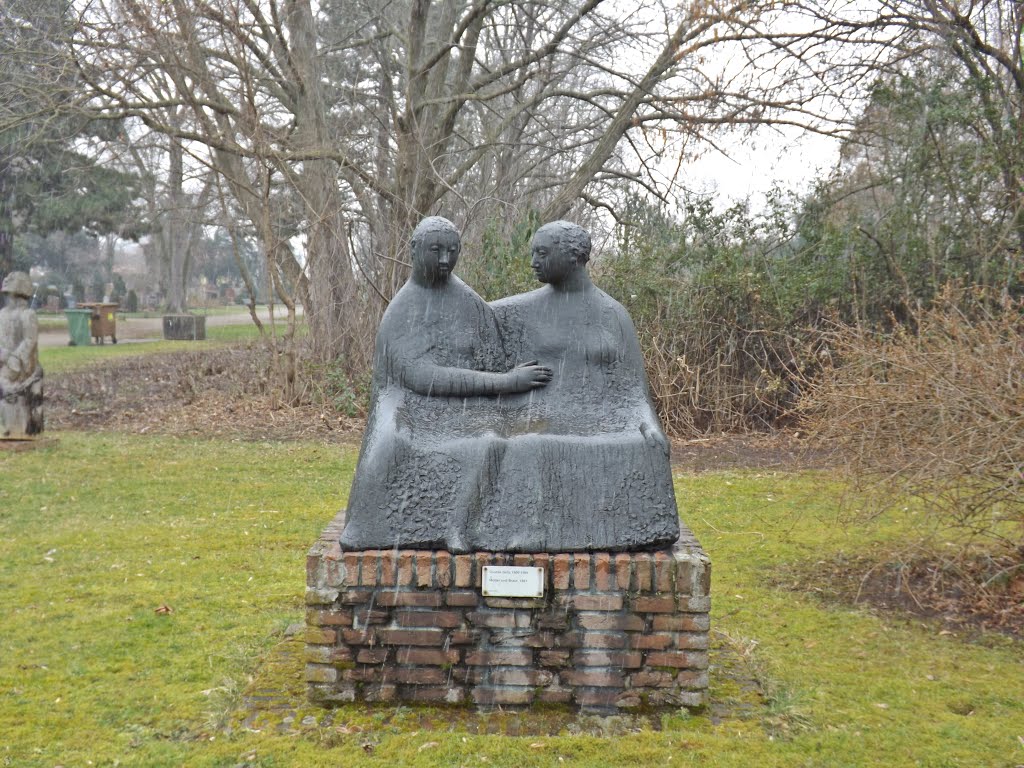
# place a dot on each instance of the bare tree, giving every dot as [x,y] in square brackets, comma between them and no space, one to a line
[373,116]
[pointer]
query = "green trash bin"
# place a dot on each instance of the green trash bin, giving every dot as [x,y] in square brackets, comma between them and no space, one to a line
[78,327]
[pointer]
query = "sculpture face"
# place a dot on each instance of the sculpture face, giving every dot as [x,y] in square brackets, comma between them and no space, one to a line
[551,263]
[17,284]
[435,255]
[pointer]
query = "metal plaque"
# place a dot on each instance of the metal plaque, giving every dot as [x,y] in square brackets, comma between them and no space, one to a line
[513,581]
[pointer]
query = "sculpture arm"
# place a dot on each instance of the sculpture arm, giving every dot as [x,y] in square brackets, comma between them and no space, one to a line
[440,381]
[17,363]
[650,424]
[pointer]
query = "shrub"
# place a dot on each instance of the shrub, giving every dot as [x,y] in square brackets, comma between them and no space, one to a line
[935,413]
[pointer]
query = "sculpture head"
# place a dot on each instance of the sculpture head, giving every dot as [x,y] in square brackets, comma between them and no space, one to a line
[18,284]
[435,250]
[559,249]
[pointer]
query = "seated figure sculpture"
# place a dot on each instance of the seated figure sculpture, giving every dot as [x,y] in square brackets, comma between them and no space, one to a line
[459,456]
[21,376]
[586,464]
[438,365]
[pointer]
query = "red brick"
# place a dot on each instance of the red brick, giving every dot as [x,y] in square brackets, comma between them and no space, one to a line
[444,619]
[373,655]
[328,654]
[416,599]
[389,568]
[615,640]
[312,569]
[623,570]
[320,636]
[684,577]
[464,637]
[512,658]
[581,571]
[651,678]
[351,561]
[463,570]
[406,568]
[482,559]
[368,570]
[643,576]
[556,620]
[424,570]
[655,641]
[704,580]
[316,673]
[485,695]
[554,658]
[441,694]
[367,674]
[593,677]
[544,561]
[696,641]
[523,561]
[654,604]
[683,622]
[604,698]
[417,675]
[555,696]
[664,572]
[319,618]
[597,602]
[611,621]
[624,659]
[359,636]
[382,692]
[497,620]
[547,639]
[362,617]
[444,570]
[462,599]
[411,636]
[435,656]
[356,596]
[561,572]
[521,677]
[692,679]
[527,603]
[603,577]
[677,659]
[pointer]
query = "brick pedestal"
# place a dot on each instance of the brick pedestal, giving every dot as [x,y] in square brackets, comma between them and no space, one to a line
[614,631]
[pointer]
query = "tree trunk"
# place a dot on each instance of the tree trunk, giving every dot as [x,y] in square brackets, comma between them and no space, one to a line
[175,239]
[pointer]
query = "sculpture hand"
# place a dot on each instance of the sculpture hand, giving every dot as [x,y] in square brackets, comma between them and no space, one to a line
[527,376]
[654,438]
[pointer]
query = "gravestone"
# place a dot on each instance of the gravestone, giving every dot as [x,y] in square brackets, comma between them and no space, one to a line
[512,535]
[21,376]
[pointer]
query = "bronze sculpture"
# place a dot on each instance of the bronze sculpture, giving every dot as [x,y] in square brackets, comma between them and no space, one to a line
[469,448]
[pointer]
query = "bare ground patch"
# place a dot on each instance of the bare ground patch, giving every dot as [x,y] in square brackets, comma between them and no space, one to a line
[210,393]
[966,594]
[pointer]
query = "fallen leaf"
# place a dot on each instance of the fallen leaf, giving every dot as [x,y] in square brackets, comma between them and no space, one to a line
[428,745]
[163,610]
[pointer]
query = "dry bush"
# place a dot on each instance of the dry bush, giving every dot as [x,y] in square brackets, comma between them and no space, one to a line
[715,377]
[936,413]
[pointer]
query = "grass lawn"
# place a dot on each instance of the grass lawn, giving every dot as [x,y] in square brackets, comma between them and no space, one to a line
[146,582]
[61,359]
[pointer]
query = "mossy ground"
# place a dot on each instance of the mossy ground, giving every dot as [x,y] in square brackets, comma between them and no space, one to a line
[147,584]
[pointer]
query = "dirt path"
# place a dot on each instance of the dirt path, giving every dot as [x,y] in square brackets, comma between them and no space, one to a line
[141,329]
